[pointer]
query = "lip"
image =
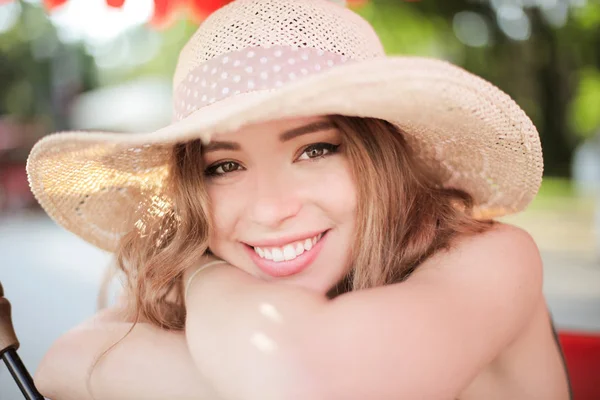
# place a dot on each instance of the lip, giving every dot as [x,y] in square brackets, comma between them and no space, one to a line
[287,268]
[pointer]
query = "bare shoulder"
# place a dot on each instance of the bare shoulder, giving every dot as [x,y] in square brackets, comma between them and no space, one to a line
[499,238]
[505,234]
[506,247]
[503,262]
[502,248]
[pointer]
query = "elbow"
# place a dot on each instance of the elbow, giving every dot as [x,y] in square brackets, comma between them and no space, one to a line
[47,375]
[43,378]
[56,376]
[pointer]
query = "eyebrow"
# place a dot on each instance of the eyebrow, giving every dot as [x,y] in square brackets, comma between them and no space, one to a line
[304,130]
[283,137]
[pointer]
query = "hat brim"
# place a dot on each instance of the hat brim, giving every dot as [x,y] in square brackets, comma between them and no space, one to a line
[473,134]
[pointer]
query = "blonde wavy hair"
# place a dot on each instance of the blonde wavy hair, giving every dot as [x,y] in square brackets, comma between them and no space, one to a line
[403,217]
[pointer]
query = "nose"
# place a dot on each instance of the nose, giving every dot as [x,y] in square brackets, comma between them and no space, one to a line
[274,199]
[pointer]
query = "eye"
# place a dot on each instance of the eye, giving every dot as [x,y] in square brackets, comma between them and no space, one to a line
[318,150]
[221,169]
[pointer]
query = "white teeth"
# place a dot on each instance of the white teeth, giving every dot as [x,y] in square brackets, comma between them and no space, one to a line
[289,251]
[268,254]
[277,254]
[308,244]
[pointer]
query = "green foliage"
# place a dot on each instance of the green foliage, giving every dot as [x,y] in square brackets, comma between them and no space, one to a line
[588,17]
[405,30]
[585,108]
[24,75]
[556,187]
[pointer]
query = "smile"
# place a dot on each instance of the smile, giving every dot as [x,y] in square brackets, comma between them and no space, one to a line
[280,260]
[289,251]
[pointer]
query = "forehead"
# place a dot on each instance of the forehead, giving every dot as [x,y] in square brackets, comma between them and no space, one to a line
[271,127]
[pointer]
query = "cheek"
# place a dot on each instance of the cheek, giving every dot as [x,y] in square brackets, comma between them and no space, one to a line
[222,212]
[337,192]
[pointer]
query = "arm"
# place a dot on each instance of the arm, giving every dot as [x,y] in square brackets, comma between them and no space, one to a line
[425,338]
[149,364]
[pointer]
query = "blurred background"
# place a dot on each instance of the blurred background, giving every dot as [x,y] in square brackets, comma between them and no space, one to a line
[107,64]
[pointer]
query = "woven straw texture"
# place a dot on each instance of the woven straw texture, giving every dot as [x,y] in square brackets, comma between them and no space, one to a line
[315,24]
[236,70]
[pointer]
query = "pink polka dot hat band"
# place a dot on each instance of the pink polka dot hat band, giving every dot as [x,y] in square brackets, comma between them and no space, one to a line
[259,60]
[246,71]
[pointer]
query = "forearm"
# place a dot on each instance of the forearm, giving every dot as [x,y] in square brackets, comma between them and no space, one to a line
[244,334]
[150,364]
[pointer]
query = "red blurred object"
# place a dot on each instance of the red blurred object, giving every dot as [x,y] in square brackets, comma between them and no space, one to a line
[203,8]
[163,10]
[52,4]
[582,355]
[115,3]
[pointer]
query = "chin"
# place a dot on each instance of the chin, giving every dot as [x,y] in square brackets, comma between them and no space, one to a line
[312,281]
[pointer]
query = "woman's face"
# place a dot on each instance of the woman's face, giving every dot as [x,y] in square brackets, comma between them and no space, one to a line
[283,201]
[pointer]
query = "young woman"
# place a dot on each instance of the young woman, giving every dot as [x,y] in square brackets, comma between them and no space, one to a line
[315,224]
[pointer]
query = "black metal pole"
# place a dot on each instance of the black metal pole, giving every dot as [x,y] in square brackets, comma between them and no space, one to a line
[8,352]
[21,375]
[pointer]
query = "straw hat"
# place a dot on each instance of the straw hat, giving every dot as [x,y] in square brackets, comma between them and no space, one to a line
[258,60]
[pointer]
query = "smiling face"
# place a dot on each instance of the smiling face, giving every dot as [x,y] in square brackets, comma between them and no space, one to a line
[283,201]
